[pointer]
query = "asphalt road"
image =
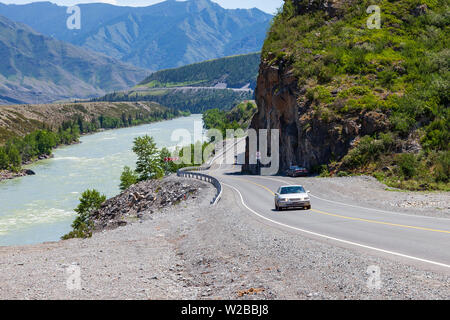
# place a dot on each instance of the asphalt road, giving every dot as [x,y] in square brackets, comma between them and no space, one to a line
[415,239]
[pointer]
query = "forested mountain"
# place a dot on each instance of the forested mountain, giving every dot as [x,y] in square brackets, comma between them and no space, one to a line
[232,72]
[165,35]
[220,83]
[38,69]
[194,100]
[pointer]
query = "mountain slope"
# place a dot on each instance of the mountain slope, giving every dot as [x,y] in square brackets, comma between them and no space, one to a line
[221,83]
[165,35]
[39,69]
[234,72]
[358,100]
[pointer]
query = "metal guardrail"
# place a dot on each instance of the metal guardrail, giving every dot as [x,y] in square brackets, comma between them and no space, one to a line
[193,172]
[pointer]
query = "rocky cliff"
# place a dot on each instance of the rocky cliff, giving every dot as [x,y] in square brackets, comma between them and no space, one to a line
[356,96]
[308,137]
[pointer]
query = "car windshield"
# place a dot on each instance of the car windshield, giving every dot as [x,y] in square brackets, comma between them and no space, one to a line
[288,190]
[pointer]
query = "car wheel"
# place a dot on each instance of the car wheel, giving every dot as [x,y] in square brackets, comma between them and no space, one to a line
[308,208]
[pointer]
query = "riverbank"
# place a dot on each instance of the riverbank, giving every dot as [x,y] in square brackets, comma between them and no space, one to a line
[40,208]
[12,174]
[20,120]
[9,175]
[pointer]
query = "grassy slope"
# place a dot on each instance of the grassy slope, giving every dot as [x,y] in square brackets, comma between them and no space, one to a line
[236,71]
[167,87]
[23,119]
[401,70]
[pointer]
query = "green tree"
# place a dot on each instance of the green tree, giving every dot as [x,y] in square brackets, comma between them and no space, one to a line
[128,178]
[90,201]
[4,161]
[14,158]
[45,141]
[148,165]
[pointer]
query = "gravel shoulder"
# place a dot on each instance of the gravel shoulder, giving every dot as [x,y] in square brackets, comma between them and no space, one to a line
[366,191]
[194,251]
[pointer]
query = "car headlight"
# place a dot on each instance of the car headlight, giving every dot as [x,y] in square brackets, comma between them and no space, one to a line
[307,198]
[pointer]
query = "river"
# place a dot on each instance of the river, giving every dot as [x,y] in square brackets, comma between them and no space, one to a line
[39,208]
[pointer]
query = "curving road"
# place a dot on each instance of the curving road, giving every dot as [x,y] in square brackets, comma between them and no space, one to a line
[414,239]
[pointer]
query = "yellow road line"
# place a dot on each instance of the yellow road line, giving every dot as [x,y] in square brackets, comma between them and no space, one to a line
[352,218]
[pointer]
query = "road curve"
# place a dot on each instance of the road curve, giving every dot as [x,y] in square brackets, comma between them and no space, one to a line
[419,240]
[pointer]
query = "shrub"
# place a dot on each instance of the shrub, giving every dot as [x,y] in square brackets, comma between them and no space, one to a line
[442,167]
[319,94]
[128,178]
[14,158]
[342,174]
[4,161]
[408,165]
[324,172]
[148,165]
[90,201]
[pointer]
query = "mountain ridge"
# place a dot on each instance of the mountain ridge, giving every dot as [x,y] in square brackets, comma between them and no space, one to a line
[40,69]
[187,31]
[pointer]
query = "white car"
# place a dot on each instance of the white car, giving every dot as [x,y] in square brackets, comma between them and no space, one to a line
[292,197]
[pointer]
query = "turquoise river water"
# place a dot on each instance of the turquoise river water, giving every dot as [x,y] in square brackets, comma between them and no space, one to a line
[39,208]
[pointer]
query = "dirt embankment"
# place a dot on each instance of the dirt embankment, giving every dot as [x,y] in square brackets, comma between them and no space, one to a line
[19,120]
[142,200]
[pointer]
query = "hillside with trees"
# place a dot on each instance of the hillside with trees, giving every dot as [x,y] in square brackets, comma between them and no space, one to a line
[235,71]
[193,100]
[360,99]
[55,125]
[237,118]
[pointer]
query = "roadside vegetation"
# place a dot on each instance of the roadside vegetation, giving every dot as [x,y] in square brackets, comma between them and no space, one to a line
[400,70]
[82,226]
[237,118]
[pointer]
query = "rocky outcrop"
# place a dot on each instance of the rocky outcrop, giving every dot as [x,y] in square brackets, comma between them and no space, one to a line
[140,201]
[310,134]
[307,137]
[333,8]
[7,175]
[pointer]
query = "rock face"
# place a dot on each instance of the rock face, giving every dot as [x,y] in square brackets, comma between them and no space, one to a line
[331,7]
[307,138]
[142,200]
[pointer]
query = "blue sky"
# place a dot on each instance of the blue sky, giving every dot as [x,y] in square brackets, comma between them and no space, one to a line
[269,6]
